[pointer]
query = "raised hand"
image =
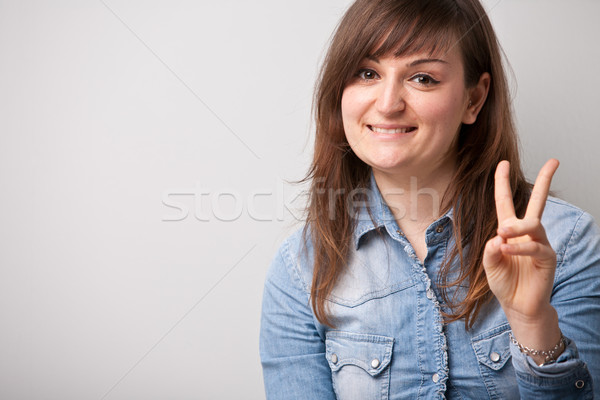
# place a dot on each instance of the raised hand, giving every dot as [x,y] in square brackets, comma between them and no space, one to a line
[520,263]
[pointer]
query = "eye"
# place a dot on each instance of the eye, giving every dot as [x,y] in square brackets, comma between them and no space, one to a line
[367,74]
[424,80]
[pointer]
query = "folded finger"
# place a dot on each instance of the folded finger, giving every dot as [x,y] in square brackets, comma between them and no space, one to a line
[533,249]
[521,227]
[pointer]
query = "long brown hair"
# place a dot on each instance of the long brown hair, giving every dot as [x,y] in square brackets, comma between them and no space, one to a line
[404,27]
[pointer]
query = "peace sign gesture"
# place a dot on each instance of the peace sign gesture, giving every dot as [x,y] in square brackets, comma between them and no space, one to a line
[519,262]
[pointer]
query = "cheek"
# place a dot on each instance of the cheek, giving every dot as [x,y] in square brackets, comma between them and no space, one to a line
[352,108]
[443,111]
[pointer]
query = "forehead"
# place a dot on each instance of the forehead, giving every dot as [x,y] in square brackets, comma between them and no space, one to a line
[410,43]
[449,58]
[404,39]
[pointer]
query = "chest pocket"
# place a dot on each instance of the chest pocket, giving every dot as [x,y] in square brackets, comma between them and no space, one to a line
[493,353]
[359,364]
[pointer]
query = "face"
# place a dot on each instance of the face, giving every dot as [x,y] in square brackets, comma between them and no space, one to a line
[402,115]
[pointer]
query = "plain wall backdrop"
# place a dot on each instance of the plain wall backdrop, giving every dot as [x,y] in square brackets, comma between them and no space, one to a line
[144,153]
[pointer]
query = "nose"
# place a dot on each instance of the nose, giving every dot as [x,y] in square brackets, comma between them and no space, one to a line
[390,98]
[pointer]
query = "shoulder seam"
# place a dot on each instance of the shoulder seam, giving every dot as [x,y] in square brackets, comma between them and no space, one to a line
[291,265]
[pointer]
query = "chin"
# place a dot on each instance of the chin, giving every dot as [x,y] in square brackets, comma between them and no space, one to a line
[390,166]
[388,162]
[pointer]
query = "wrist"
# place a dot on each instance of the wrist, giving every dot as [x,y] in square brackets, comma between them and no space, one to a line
[544,316]
[539,336]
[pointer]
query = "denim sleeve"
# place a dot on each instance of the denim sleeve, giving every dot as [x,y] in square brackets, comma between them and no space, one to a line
[576,298]
[291,350]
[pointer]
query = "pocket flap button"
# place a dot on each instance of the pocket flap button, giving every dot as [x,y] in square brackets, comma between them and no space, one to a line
[334,358]
[375,363]
[495,357]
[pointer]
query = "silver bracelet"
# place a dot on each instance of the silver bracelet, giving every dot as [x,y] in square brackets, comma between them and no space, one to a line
[548,354]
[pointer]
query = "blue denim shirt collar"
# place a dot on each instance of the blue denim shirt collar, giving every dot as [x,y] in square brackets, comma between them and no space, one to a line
[382,216]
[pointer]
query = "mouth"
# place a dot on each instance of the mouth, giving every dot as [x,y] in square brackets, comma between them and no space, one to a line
[391,131]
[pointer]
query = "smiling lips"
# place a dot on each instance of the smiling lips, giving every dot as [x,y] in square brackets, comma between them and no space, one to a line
[391,130]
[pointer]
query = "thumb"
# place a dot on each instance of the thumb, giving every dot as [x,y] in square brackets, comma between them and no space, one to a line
[492,255]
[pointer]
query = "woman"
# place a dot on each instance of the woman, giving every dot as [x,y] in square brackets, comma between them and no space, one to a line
[428,266]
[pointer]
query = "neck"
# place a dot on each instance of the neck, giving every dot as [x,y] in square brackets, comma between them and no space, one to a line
[415,199]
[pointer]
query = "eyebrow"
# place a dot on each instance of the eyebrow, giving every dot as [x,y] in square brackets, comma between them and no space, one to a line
[416,62]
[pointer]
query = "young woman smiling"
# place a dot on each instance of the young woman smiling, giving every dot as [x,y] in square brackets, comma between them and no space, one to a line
[428,267]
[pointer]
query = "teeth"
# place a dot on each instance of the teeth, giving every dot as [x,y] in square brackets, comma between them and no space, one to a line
[390,131]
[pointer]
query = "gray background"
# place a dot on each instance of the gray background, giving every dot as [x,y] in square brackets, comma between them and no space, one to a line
[144,153]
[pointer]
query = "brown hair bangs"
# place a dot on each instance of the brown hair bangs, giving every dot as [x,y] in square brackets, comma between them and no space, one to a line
[398,28]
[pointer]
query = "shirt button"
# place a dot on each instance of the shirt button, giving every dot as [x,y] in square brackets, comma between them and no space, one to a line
[334,358]
[430,294]
[495,357]
[399,232]
[375,363]
[579,384]
[439,229]
[435,378]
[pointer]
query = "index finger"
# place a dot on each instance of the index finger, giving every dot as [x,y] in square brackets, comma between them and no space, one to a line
[539,194]
[505,207]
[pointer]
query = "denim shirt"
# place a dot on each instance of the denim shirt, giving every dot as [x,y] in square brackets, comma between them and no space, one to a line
[390,340]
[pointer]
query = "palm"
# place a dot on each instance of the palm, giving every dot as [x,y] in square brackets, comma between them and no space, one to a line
[519,262]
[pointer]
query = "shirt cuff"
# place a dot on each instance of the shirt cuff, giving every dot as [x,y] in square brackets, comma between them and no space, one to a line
[567,378]
[565,363]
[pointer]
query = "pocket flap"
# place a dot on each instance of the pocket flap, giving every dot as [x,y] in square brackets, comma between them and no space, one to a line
[372,353]
[493,347]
